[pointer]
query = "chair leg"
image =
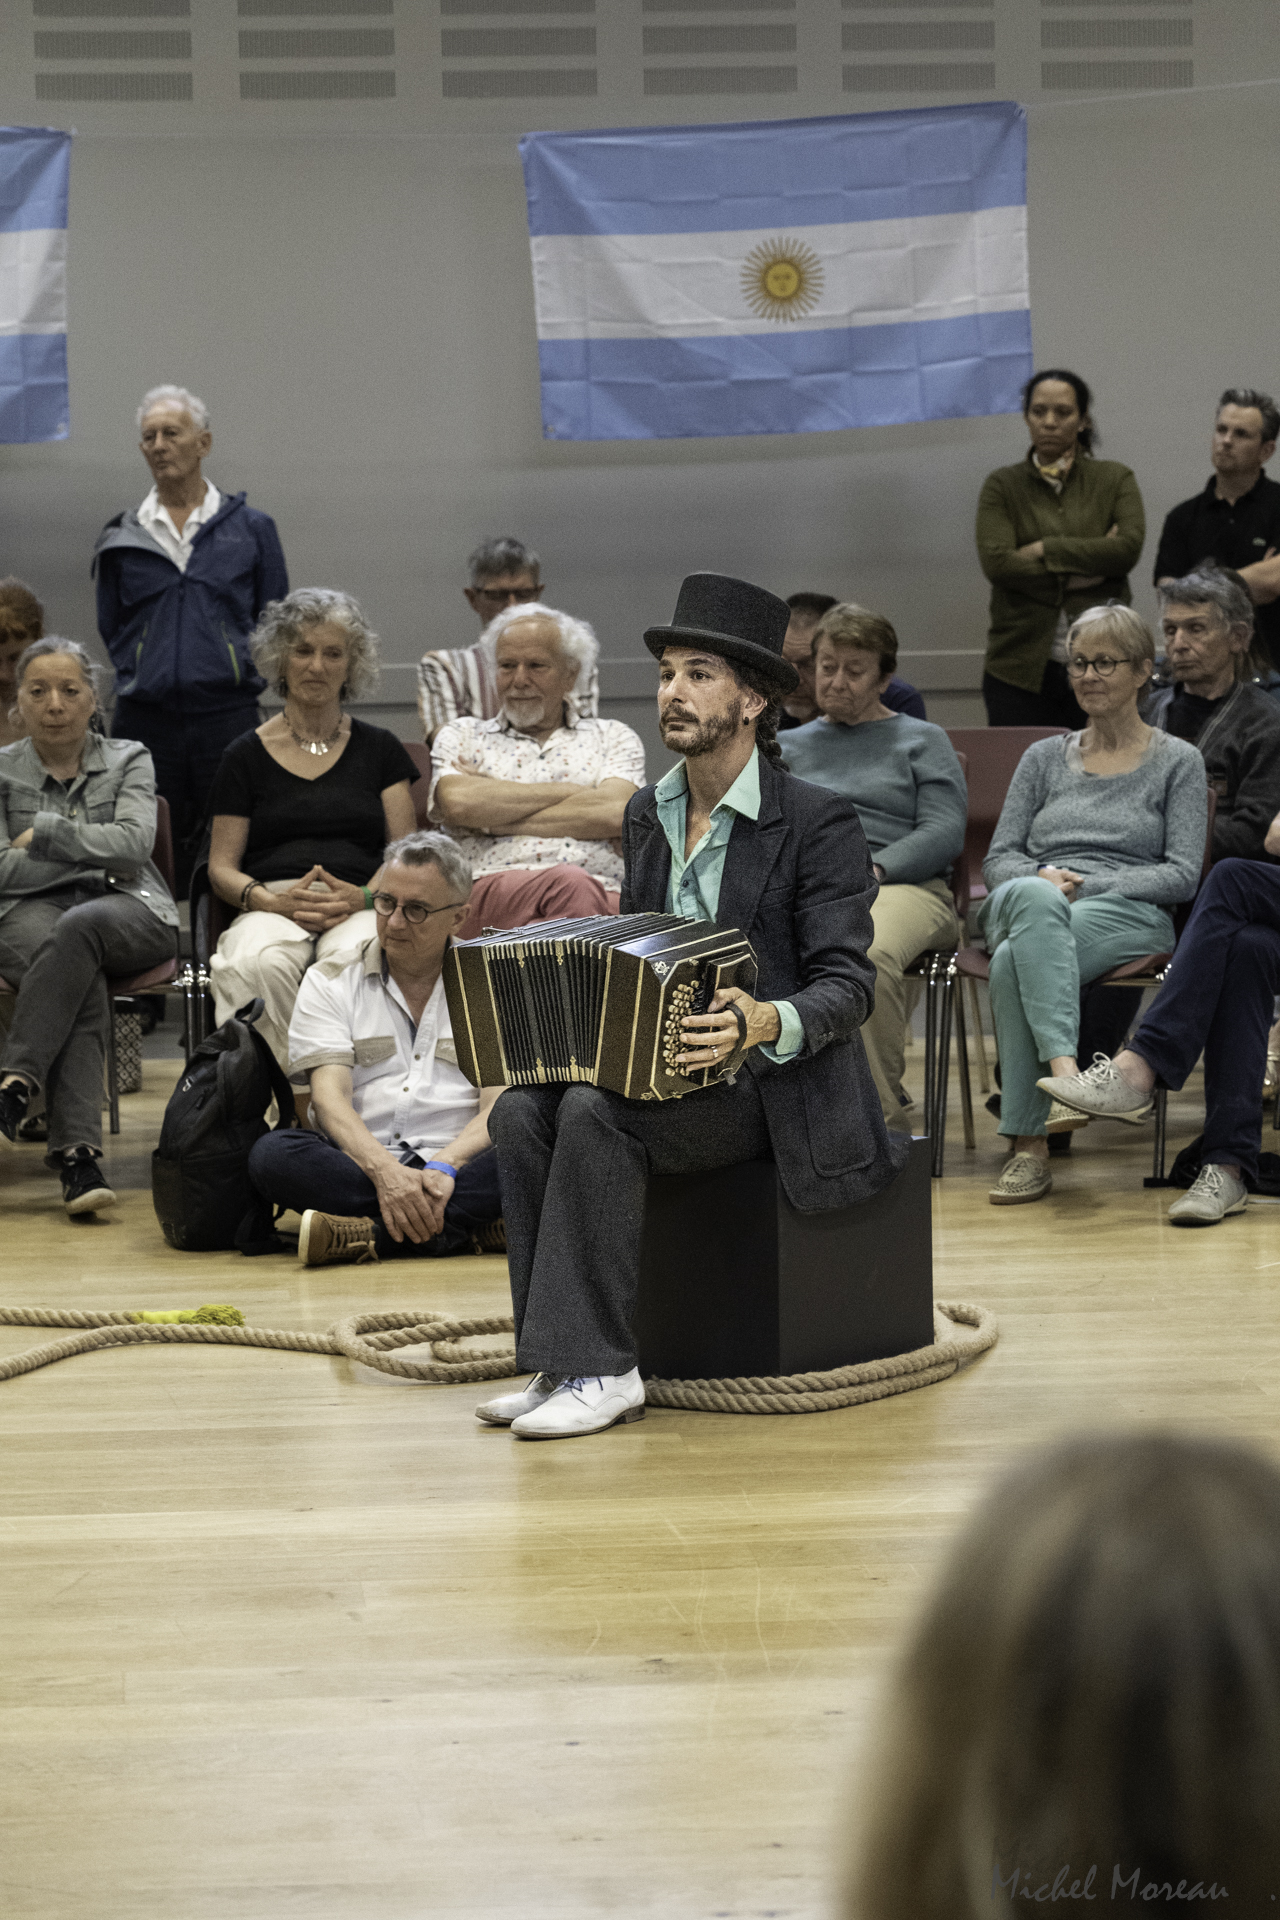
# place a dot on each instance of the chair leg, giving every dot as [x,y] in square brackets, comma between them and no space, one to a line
[930,1040]
[113,1075]
[975,1002]
[962,1065]
[947,976]
[1158,1148]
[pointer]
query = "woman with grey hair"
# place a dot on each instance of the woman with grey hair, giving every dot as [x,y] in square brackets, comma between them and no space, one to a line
[302,808]
[1101,835]
[79,899]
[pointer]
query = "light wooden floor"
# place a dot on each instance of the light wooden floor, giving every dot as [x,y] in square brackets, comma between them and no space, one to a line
[284,1638]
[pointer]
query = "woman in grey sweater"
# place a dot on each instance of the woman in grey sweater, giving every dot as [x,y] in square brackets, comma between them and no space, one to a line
[903,776]
[1101,835]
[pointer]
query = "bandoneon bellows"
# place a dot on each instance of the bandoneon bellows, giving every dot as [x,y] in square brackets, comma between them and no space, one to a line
[597,1000]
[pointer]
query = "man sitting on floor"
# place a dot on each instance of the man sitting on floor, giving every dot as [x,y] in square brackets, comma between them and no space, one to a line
[535,798]
[1217,998]
[728,835]
[401,1165]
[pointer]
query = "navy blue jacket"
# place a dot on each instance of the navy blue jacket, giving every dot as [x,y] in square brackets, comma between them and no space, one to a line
[798,882]
[182,638]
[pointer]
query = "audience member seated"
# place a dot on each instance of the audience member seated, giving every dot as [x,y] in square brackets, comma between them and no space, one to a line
[460,684]
[400,1165]
[79,899]
[1087,1710]
[1235,520]
[535,797]
[302,808]
[903,776]
[1101,835]
[1051,530]
[21,622]
[807,609]
[1207,620]
[1216,1000]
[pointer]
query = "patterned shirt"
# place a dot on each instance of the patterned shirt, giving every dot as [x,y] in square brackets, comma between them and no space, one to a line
[583,750]
[457,684]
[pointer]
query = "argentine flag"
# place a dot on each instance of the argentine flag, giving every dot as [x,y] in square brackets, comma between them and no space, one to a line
[785,276]
[35,163]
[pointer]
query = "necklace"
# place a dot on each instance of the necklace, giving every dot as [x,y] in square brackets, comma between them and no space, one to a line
[313,746]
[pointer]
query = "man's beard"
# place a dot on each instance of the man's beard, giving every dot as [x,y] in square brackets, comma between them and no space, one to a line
[525,713]
[708,734]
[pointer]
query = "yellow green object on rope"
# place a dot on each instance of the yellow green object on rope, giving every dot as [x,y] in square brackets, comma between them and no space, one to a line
[192,1316]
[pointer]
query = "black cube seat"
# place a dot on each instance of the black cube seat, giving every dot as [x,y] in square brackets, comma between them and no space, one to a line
[734,1281]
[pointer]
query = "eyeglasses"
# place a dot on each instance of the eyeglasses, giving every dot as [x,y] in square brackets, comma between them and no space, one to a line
[506,596]
[1103,666]
[414,911]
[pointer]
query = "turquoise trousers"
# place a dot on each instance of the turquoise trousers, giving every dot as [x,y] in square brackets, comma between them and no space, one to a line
[1043,950]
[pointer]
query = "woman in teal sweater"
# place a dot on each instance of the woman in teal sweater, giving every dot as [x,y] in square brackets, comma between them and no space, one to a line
[903,776]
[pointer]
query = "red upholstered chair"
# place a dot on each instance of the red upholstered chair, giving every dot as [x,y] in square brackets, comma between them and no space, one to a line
[1148,971]
[151,979]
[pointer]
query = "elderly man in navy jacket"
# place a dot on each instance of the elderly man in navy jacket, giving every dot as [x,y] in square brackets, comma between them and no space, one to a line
[181,582]
[728,835]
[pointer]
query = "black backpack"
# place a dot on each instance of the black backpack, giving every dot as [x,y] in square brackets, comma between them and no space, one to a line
[204,1198]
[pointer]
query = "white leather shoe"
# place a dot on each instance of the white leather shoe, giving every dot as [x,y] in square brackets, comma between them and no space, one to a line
[584,1406]
[509,1406]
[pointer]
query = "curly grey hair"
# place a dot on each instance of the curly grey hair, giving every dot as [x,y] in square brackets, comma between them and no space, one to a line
[577,640]
[427,848]
[283,622]
[54,643]
[175,397]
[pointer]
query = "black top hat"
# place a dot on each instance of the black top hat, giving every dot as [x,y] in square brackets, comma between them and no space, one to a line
[730,617]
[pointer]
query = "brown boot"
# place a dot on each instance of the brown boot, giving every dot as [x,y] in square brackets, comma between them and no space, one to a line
[332,1239]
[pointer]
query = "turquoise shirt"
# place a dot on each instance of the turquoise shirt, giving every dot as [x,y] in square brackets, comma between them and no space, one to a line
[694,887]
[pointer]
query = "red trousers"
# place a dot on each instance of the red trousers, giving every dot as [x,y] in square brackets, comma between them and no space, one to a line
[535,893]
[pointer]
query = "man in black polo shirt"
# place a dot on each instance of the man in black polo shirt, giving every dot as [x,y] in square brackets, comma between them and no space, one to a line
[1235,522]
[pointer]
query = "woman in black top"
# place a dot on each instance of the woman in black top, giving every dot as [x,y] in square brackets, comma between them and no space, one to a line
[302,808]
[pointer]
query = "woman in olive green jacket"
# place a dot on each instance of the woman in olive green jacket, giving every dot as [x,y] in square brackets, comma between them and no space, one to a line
[1057,533]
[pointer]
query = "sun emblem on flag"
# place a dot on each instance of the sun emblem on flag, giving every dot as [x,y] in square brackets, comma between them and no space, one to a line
[782,279]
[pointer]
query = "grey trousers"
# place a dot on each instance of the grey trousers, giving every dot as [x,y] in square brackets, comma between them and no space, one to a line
[572,1164]
[55,948]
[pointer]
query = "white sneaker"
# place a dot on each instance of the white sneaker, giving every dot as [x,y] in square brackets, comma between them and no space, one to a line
[1215,1193]
[509,1406]
[1024,1177]
[584,1405]
[1101,1091]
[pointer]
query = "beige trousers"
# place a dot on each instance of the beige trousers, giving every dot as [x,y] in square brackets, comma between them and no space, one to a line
[907,921]
[263,954]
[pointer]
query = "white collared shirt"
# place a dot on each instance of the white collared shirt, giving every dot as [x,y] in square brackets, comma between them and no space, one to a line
[584,750]
[406,1086]
[160,526]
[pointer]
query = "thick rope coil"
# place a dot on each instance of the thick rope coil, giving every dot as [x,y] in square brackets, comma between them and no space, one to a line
[844,1386]
[370,1339]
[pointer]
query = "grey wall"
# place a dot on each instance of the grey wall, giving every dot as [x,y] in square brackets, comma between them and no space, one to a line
[347,284]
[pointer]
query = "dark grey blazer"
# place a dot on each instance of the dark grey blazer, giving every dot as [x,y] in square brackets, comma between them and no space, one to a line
[798,883]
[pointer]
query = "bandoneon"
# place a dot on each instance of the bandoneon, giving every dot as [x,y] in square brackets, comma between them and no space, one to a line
[597,1000]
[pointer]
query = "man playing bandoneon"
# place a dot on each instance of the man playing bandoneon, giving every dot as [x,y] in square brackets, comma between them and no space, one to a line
[728,835]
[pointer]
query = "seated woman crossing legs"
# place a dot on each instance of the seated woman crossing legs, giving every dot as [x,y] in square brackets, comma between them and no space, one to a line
[1101,835]
[79,899]
[903,776]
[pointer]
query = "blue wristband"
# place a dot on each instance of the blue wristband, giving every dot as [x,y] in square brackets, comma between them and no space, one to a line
[441,1166]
